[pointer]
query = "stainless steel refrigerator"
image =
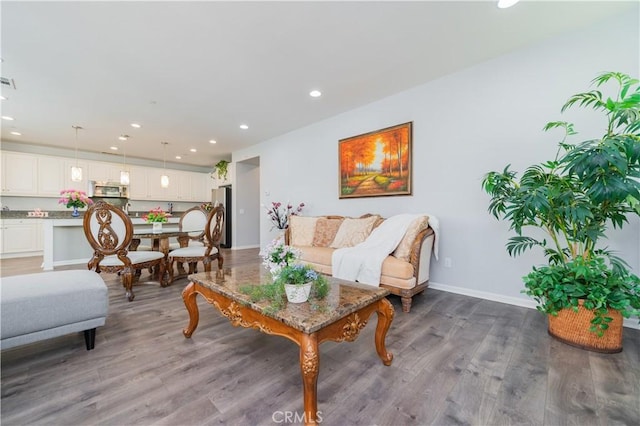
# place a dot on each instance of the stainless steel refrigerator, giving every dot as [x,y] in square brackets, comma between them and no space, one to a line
[222,196]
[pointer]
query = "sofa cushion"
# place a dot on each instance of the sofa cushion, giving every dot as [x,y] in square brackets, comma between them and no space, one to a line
[302,230]
[319,255]
[326,230]
[403,251]
[353,231]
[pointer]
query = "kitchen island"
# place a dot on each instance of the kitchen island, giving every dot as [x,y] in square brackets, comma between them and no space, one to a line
[66,244]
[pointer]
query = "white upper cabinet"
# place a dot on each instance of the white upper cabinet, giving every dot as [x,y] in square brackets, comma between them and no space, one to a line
[104,172]
[19,174]
[50,176]
[45,176]
[138,183]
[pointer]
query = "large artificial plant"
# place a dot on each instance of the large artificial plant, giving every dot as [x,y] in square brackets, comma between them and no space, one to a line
[221,169]
[574,198]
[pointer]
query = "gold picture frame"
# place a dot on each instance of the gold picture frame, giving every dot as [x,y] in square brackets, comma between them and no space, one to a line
[376,164]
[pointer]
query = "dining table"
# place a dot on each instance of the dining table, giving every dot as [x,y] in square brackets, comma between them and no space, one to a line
[160,240]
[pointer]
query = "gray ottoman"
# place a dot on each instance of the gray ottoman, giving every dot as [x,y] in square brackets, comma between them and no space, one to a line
[49,304]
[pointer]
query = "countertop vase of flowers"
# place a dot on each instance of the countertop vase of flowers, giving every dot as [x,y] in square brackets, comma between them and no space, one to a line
[156,217]
[74,199]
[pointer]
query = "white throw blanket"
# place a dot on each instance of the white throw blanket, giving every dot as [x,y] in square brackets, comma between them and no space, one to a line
[363,262]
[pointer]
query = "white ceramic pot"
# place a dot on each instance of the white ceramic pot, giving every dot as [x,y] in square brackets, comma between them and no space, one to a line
[157,226]
[297,293]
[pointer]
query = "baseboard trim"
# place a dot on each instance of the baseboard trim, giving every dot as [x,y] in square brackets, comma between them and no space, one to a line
[494,297]
[245,247]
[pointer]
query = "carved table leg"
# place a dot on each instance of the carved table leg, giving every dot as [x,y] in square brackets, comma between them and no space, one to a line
[189,297]
[385,316]
[310,365]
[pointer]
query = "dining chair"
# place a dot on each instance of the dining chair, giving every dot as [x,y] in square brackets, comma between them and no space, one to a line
[193,221]
[109,232]
[205,254]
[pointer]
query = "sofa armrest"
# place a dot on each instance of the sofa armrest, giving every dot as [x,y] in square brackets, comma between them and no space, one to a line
[420,256]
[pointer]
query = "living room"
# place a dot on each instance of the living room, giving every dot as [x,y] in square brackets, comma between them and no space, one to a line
[464,125]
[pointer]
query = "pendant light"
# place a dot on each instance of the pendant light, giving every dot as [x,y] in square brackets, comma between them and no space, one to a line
[164,179]
[124,174]
[76,171]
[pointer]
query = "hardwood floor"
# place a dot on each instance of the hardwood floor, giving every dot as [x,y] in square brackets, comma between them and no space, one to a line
[457,360]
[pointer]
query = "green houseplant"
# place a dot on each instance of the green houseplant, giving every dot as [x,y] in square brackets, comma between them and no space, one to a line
[221,169]
[573,199]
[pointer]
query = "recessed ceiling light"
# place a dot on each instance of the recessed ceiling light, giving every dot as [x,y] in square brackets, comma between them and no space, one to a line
[178,157]
[115,148]
[123,137]
[193,150]
[16,133]
[242,126]
[136,125]
[315,93]
[503,4]
[212,141]
[6,117]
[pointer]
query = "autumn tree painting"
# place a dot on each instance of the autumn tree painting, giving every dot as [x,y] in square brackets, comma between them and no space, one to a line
[376,163]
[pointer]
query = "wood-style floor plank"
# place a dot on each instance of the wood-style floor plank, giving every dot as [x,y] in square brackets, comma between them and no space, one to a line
[457,360]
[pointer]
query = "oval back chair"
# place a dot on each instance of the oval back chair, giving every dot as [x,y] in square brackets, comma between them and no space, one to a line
[207,253]
[193,221]
[109,232]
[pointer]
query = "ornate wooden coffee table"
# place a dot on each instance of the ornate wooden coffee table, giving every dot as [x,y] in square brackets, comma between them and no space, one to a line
[339,317]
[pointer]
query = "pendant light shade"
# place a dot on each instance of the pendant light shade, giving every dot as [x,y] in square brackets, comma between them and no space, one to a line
[76,171]
[124,177]
[164,179]
[124,174]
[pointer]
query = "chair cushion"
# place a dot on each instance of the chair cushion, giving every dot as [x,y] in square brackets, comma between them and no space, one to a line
[190,252]
[135,256]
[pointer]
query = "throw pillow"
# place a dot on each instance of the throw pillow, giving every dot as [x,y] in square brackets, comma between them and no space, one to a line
[353,231]
[403,251]
[326,230]
[302,230]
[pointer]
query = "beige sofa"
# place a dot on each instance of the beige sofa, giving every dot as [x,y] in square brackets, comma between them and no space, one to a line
[405,272]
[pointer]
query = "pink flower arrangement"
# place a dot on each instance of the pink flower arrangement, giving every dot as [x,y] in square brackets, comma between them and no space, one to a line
[156,215]
[74,198]
[279,214]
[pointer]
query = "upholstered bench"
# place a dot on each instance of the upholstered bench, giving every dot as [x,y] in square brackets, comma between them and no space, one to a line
[35,307]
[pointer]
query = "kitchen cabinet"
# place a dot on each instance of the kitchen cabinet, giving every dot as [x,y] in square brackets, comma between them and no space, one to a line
[50,176]
[191,187]
[104,172]
[21,237]
[138,183]
[19,174]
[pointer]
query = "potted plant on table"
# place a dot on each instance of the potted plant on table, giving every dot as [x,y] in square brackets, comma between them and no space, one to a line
[156,217]
[573,199]
[304,282]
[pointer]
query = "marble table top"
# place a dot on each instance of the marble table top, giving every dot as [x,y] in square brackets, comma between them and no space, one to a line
[344,298]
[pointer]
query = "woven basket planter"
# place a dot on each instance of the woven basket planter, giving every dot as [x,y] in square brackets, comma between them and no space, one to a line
[572,328]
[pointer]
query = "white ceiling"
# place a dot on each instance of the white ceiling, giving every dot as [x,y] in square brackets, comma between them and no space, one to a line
[194,71]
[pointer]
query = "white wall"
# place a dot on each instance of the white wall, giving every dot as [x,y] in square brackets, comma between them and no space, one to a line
[246,213]
[465,125]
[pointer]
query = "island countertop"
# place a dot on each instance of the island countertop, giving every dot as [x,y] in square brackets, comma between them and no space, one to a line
[71,246]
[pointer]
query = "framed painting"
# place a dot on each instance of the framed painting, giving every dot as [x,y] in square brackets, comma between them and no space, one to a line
[377,163]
